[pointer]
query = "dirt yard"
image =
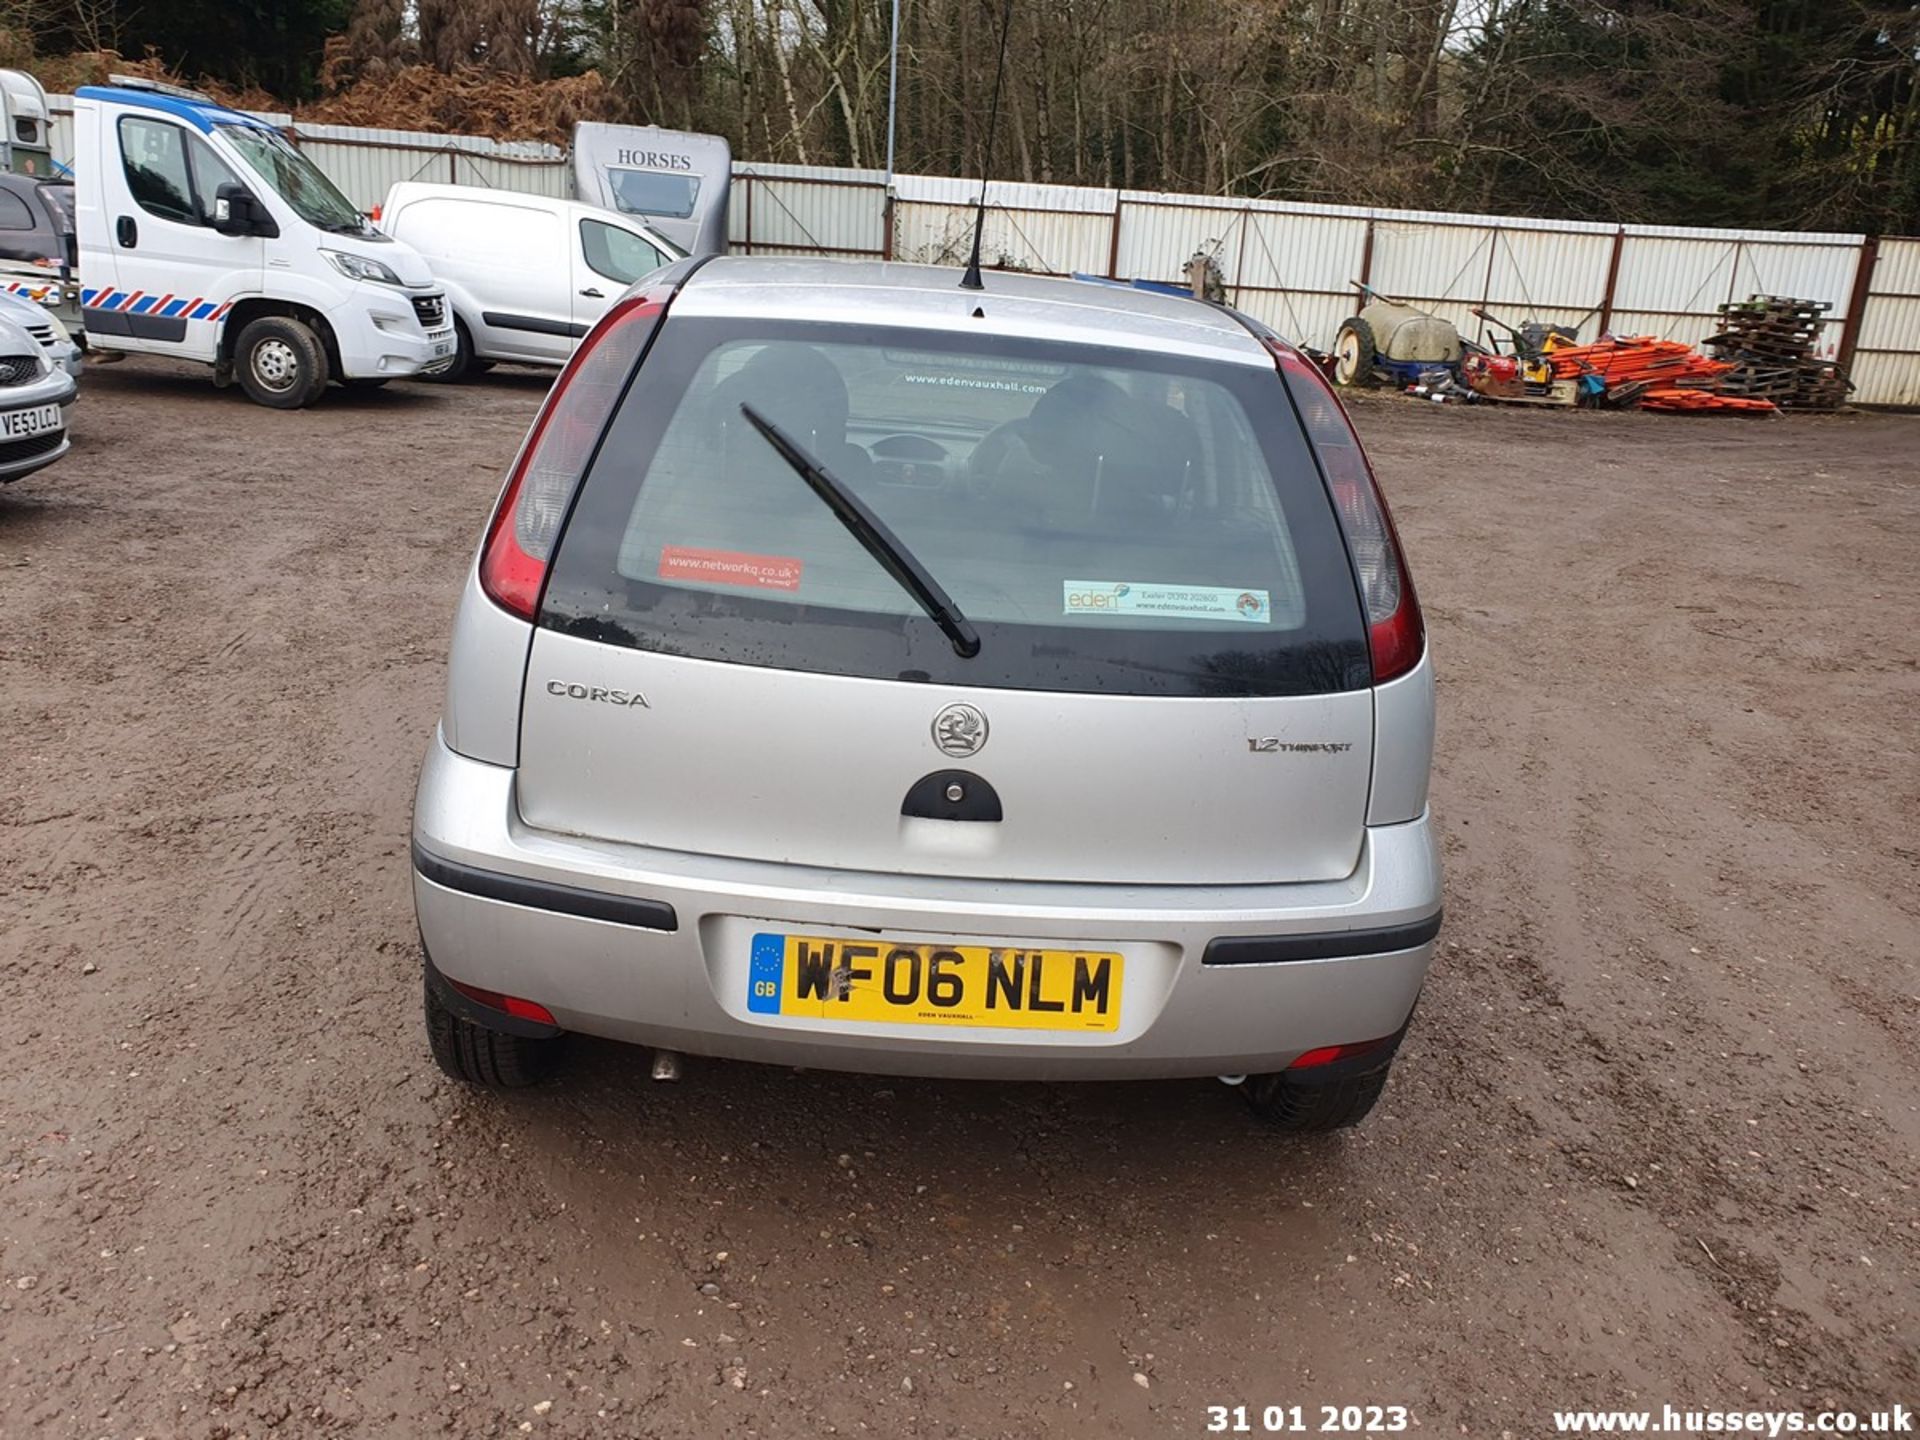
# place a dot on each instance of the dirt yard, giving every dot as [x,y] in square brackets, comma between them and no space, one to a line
[1655,1137]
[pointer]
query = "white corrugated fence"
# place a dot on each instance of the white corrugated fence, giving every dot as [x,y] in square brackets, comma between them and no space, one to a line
[1291,265]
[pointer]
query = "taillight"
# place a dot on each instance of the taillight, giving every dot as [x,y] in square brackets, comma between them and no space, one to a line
[1396,633]
[526,522]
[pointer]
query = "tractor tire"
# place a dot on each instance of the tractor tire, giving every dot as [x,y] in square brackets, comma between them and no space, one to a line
[1354,353]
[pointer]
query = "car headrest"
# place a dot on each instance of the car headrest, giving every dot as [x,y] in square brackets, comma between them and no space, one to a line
[795,386]
[1085,419]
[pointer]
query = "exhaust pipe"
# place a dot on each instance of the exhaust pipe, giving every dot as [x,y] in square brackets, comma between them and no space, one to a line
[666,1065]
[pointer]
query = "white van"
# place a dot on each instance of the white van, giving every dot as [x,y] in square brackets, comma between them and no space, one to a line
[526,276]
[204,234]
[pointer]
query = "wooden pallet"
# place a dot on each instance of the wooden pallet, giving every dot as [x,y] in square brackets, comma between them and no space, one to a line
[1768,342]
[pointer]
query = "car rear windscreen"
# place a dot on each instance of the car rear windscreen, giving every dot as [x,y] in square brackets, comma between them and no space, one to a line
[1108,520]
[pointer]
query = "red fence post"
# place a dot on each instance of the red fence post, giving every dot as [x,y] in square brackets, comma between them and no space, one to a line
[1857,302]
[1613,280]
[1240,260]
[1486,285]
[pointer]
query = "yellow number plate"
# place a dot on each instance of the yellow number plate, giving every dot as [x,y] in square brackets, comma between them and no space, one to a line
[1012,988]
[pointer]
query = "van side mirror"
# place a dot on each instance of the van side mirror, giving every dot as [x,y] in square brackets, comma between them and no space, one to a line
[237,212]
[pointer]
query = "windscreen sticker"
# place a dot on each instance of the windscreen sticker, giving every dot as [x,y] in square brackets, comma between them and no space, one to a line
[1173,602]
[977,382]
[729,567]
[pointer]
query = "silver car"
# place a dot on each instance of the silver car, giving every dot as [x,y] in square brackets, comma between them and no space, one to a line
[47,329]
[866,673]
[34,395]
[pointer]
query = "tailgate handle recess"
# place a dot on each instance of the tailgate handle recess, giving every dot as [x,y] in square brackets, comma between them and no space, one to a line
[952,795]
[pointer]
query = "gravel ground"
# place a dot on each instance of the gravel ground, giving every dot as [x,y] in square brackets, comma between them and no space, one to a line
[1653,1139]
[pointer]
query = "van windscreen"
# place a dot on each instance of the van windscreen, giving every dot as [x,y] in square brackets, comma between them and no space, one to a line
[294,178]
[1108,520]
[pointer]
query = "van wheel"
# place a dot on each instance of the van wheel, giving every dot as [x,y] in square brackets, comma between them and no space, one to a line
[464,364]
[281,363]
[1302,1103]
[479,1056]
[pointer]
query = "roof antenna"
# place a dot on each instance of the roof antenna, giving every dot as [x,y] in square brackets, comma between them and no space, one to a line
[971,280]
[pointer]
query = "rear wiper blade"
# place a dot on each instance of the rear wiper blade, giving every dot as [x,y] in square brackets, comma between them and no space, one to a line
[872,532]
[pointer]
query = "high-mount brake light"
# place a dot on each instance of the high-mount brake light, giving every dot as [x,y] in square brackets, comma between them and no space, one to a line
[1396,632]
[526,522]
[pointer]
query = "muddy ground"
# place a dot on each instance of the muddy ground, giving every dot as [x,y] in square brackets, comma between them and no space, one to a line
[1655,1137]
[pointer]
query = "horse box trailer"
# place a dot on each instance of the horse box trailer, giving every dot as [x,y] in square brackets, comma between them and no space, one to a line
[675,181]
[26,126]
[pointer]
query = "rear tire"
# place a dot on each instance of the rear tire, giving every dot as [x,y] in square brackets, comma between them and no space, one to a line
[1354,353]
[479,1056]
[281,363]
[1292,1102]
[464,365]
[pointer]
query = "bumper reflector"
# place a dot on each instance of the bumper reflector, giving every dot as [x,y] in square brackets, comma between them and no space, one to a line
[1327,1054]
[511,1004]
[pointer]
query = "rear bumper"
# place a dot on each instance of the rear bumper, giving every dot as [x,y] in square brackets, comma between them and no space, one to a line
[579,926]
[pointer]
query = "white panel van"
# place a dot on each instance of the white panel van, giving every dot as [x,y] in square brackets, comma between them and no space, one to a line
[206,235]
[525,275]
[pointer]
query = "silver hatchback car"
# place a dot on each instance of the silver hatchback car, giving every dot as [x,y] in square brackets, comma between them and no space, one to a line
[861,672]
[36,390]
